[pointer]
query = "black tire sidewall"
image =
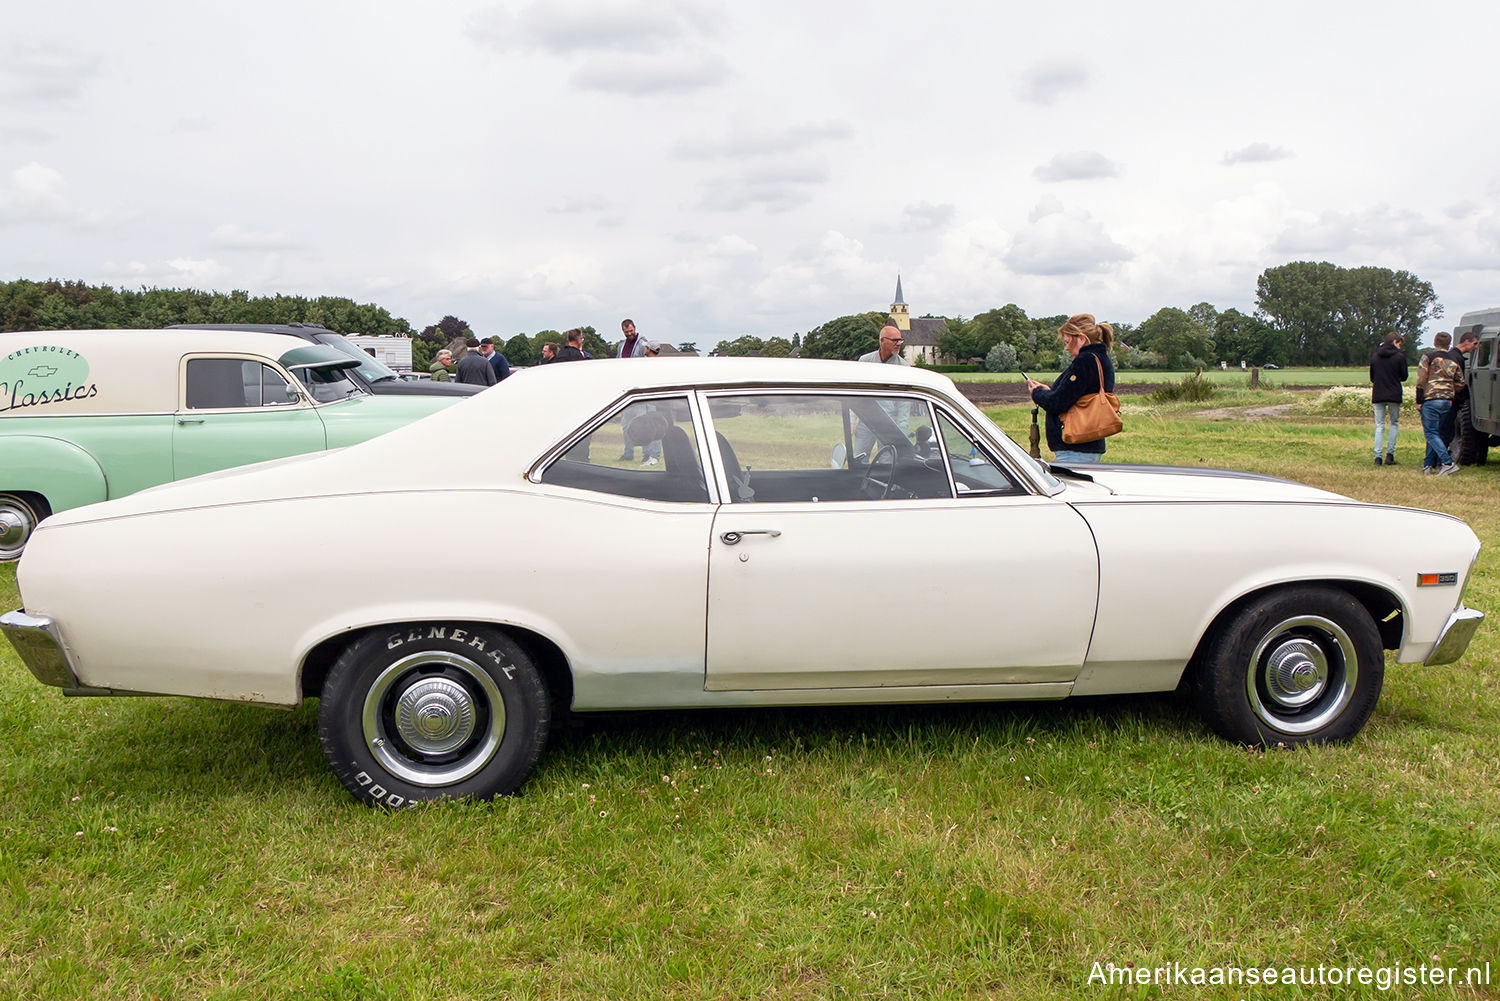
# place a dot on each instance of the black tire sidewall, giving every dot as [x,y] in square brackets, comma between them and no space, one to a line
[1222,689]
[341,705]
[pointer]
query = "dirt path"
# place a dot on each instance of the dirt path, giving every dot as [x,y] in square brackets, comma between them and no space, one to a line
[993,394]
[1255,414]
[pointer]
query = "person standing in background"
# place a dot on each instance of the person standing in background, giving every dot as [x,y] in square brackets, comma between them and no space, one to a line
[1387,372]
[497,360]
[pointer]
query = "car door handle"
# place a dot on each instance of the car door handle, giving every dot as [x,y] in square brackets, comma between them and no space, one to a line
[190,420]
[733,538]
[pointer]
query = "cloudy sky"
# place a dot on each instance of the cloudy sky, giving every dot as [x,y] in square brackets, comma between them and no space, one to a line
[717,169]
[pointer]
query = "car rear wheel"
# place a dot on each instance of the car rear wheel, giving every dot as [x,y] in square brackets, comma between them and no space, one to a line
[18,519]
[433,711]
[1298,665]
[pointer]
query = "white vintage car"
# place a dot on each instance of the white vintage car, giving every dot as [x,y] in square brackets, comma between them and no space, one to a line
[715,532]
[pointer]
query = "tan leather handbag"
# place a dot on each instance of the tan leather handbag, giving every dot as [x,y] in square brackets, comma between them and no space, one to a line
[1094,416]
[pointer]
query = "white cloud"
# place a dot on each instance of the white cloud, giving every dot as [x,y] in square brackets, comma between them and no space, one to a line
[644,76]
[1256,153]
[45,72]
[568,27]
[1069,242]
[775,187]
[35,194]
[1046,82]
[1084,165]
[636,48]
[926,216]
[751,142]
[230,236]
[178,272]
[1332,232]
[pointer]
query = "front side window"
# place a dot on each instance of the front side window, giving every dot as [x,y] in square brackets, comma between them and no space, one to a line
[827,447]
[233,383]
[648,449]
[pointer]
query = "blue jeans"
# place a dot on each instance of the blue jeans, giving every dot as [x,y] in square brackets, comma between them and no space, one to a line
[1387,415]
[1068,457]
[1434,414]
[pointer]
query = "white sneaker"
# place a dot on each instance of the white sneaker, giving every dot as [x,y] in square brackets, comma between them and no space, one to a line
[650,460]
[1448,470]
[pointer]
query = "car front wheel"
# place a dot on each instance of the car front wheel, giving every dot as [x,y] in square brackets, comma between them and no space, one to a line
[433,711]
[1299,665]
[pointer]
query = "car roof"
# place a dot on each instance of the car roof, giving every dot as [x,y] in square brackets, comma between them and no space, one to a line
[306,331]
[515,422]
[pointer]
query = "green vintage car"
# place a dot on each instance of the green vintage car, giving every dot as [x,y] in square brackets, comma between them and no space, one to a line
[89,415]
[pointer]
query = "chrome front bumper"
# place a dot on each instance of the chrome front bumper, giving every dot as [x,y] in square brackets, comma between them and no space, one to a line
[37,640]
[1452,641]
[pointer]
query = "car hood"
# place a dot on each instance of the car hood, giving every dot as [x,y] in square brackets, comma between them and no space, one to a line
[1187,483]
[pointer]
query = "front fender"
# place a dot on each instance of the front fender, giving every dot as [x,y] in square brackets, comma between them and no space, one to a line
[66,474]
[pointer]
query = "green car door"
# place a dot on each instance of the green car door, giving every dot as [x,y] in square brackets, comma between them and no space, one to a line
[237,409]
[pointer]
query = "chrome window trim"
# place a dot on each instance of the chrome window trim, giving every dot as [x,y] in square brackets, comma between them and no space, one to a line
[1026,483]
[620,404]
[1001,461]
[306,401]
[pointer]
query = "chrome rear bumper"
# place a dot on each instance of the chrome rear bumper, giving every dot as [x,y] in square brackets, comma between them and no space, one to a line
[1455,637]
[37,640]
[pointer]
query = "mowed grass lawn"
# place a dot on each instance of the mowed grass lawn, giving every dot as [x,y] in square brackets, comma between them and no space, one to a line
[163,848]
[1283,377]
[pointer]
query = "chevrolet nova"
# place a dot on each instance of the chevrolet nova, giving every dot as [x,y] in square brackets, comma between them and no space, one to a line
[715,532]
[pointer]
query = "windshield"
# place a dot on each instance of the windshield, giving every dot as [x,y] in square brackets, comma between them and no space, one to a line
[370,367]
[327,383]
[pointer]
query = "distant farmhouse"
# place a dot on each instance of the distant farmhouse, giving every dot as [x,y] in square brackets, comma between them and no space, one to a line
[920,336]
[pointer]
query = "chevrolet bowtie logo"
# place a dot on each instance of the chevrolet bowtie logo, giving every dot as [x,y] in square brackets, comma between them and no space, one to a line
[42,372]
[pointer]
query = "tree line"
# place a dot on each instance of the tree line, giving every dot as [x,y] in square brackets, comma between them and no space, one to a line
[1307,313]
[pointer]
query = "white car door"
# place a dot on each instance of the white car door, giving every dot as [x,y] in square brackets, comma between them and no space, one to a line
[926,571]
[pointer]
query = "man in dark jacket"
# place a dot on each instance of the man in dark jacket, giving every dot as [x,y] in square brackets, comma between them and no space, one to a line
[1387,373]
[573,349]
[497,361]
[474,368]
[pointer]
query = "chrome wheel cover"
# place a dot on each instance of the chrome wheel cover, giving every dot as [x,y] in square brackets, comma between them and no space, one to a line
[433,718]
[17,521]
[1302,674]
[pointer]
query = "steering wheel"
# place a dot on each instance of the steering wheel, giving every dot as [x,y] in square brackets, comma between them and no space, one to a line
[884,454]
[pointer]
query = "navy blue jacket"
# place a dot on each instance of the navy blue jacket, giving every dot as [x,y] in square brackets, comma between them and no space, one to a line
[1081,379]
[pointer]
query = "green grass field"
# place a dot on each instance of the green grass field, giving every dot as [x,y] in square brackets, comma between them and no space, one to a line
[1269,378]
[163,848]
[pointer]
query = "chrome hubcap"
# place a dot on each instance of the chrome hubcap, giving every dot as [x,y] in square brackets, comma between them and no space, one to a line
[1296,673]
[1302,674]
[16,523]
[435,715]
[433,718]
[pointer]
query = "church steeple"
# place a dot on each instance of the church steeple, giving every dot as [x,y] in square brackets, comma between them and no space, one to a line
[900,316]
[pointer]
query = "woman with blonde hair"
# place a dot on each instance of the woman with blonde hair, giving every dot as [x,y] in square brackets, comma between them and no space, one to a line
[1091,371]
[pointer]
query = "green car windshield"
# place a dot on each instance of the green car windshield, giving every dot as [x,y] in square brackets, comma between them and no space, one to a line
[372,368]
[323,372]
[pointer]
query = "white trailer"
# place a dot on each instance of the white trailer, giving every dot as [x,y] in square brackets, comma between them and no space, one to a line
[393,349]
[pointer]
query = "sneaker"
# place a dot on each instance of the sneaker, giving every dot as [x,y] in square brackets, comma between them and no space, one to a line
[1377,460]
[1426,470]
[649,460]
[1390,459]
[1448,470]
